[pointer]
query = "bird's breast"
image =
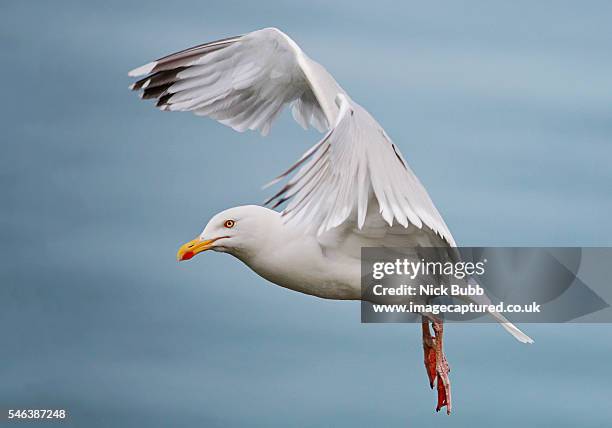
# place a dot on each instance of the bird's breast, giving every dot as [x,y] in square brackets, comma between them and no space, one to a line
[302,266]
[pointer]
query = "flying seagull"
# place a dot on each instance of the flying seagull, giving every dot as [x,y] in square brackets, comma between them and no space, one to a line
[350,190]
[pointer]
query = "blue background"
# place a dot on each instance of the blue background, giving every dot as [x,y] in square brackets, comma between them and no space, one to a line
[501,108]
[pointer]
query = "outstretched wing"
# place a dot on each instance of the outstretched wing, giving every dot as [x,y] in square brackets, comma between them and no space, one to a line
[243,82]
[354,164]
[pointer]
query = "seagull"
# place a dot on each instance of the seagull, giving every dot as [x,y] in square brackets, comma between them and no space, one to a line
[352,189]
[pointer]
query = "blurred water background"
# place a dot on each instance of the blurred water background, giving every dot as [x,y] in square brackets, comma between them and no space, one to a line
[503,109]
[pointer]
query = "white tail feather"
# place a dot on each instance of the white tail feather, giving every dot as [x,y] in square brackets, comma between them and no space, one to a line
[511,328]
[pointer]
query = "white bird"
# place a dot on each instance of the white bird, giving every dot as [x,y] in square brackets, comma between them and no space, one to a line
[352,189]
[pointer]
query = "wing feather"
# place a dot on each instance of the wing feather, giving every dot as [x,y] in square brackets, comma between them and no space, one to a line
[353,165]
[243,82]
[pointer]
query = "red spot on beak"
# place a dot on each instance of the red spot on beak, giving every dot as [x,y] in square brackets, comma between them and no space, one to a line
[187,255]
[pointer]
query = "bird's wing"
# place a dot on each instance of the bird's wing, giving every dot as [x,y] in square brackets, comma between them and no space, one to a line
[354,165]
[243,82]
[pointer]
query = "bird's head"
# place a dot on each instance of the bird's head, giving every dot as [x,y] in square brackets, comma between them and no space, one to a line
[238,231]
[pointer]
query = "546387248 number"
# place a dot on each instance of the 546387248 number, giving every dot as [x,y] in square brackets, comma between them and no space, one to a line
[37,414]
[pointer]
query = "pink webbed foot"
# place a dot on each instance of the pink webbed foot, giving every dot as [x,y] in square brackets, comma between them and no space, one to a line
[435,363]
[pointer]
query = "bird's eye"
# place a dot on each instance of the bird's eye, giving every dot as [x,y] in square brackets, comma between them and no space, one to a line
[229,224]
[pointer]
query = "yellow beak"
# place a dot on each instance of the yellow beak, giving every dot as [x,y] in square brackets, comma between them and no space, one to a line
[193,247]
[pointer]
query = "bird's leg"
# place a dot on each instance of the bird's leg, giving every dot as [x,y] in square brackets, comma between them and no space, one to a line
[435,362]
[442,369]
[429,352]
